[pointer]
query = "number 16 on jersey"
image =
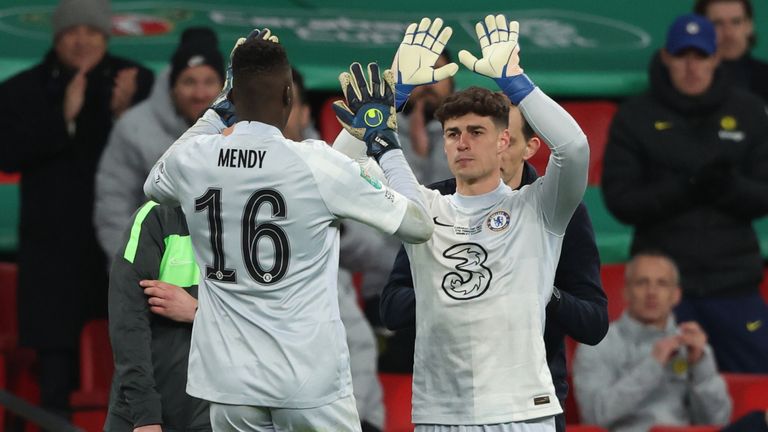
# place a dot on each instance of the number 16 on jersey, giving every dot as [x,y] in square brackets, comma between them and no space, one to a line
[252,232]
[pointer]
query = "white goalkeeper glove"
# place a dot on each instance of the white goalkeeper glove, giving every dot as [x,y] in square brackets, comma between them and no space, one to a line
[501,60]
[414,62]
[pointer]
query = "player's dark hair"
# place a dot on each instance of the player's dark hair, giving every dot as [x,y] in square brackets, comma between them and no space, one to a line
[258,57]
[475,100]
[701,6]
[528,131]
[261,88]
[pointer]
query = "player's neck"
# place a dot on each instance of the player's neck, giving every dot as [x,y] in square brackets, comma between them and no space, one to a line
[516,181]
[477,186]
[271,117]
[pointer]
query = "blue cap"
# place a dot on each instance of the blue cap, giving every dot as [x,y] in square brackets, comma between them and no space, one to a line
[691,31]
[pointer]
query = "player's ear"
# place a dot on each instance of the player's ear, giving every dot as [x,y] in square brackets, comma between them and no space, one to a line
[503,141]
[531,147]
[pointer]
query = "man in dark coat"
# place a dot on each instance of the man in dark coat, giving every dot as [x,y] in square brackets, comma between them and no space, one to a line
[56,117]
[687,164]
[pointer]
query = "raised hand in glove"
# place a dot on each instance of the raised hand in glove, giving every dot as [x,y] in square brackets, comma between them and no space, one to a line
[501,60]
[223,103]
[367,111]
[414,62]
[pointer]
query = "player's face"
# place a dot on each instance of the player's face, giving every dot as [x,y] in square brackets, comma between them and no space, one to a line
[518,151]
[80,47]
[472,145]
[733,28]
[651,290]
[691,71]
[194,90]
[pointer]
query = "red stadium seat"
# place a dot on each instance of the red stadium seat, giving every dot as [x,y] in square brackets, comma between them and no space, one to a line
[612,276]
[90,401]
[748,392]
[328,126]
[9,334]
[397,401]
[685,429]
[594,117]
[9,177]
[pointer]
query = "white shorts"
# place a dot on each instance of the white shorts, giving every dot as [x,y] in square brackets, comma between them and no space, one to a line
[337,416]
[545,424]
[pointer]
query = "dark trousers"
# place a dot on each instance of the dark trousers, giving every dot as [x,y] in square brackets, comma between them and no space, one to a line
[58,372]
[737,328]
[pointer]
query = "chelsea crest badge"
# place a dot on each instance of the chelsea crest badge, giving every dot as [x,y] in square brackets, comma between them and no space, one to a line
[498,221]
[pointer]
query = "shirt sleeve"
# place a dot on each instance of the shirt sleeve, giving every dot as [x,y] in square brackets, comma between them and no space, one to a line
[582,312]
[562,187]
[349,191]
[129,316]
[608,391]
[710,402]
[162,184]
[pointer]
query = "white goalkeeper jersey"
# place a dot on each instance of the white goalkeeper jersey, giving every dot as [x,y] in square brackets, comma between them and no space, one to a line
[262,212]
[483,281]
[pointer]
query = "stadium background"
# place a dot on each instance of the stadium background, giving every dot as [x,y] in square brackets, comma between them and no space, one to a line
[576,50]
[589,52]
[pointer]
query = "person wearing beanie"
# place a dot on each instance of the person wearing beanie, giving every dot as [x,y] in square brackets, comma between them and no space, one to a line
[56,117]
[687,164]
[193,79]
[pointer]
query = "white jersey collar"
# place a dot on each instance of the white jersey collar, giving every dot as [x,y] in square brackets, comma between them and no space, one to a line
[480,201]
[255,128]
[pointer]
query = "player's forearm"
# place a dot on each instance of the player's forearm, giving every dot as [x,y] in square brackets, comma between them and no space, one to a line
[416,226]
[567,168]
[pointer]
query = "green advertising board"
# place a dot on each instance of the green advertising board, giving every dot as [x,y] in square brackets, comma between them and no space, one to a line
[579,48]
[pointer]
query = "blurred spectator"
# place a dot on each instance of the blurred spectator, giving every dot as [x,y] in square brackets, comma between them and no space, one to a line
[421,135]
[142,135]
[735,38]
[300,125]
[687,165]
[578,308]
[56,117]
[649,371]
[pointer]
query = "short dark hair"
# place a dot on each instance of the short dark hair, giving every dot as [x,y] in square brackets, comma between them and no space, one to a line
[258,57]
[475,100]
[701,6]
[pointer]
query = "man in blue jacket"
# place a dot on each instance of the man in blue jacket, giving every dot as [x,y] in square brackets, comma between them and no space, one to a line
[578,306]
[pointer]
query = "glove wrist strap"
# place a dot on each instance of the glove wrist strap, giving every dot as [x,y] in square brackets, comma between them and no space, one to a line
[516,88]
[402,92]
[381,142]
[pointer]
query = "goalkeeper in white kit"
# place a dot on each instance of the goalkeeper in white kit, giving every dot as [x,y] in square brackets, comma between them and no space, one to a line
[484,278]
[268,348]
